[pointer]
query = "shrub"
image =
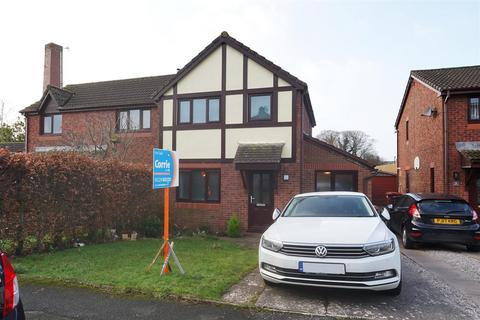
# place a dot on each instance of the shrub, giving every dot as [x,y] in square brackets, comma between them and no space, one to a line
[151,227]
[47,243]
[69,196]
[8,246]
[29,245]
[233,226]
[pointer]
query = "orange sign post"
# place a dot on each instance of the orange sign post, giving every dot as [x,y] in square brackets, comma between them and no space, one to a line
[165,176]
[166,227]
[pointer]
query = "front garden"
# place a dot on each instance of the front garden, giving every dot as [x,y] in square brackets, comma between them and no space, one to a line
[211,266]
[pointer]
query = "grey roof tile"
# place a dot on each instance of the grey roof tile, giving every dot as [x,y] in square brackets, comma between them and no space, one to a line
[135,91]
[259,153]
[458,78]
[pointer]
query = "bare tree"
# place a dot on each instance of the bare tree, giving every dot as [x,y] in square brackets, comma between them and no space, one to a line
[101,137]
[355,142]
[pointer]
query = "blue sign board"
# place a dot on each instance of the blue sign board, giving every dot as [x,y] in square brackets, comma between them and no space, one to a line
[165,169]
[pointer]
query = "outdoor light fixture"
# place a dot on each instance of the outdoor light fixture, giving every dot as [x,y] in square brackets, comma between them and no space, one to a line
[285,177]
[456,175]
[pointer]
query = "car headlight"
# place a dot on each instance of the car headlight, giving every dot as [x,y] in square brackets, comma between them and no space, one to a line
[378,248]
[272,245]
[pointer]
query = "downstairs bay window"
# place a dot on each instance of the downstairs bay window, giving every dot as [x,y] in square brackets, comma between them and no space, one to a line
[196,185]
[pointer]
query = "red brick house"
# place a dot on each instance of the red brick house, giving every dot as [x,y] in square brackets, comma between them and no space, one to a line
[240,124]
[438,133]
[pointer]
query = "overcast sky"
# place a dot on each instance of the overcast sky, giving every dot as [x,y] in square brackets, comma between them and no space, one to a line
[354,55]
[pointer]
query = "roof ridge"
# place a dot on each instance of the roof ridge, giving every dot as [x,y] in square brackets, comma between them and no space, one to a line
[446,68]
[118,80]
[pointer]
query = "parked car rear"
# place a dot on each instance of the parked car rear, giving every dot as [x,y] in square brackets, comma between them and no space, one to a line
[434,218]
[11,307]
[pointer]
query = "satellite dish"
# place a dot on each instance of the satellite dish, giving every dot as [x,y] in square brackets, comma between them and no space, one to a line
[416,163]
[430,112]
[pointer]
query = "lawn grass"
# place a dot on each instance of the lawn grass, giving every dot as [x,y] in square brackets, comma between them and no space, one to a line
[211,266]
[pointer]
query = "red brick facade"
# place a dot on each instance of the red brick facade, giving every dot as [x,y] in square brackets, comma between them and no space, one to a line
[139,149]
[426,141]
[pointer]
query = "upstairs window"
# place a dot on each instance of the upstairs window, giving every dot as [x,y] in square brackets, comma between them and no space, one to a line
[474,109]
[260,107]
[134,120]
[198,111]
[52,124]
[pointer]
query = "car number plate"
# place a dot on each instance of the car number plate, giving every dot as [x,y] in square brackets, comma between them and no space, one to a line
[446,221]
[327,268]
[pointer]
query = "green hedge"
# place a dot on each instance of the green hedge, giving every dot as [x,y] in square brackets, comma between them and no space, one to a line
[51,200]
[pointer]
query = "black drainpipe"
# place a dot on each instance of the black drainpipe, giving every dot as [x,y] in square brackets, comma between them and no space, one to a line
[445,143]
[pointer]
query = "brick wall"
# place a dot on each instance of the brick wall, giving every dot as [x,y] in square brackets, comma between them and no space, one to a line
[140,146]
[233,198]
[459,130]
[425,140]
[317,158]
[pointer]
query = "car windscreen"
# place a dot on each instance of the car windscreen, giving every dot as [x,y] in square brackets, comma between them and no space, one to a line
[444,206]
[329,206]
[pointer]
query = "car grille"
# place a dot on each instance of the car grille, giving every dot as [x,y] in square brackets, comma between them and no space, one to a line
[338,252]
[349,276]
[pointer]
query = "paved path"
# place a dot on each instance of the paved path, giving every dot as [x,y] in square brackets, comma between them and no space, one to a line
[439,283]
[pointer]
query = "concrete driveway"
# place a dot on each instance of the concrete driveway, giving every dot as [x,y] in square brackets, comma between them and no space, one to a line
[441,282]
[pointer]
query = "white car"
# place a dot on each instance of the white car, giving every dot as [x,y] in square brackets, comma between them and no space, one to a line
[331,239]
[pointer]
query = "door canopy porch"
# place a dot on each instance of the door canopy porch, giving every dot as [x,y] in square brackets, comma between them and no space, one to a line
[258,156]
[470,152]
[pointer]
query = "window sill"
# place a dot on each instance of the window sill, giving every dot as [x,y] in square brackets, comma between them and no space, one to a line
[473,125]
[196,205]
[50,135]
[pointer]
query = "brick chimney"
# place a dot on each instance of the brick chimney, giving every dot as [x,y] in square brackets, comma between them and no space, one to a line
[53,67]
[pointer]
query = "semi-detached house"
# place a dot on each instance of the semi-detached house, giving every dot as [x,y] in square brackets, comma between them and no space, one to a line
[438,133]
[242,127]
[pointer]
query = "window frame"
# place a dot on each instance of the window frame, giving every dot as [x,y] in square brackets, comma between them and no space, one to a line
[249,107]
[141,128]
[207,111]
[42,125]
[470,120]
[333,173]
[406,130]
[207,171]
[432,179]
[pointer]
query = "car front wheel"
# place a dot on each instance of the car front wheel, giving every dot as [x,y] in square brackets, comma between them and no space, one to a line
[407,243]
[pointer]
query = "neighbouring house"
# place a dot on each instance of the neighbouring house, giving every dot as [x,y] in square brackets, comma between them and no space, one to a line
[13,146]
[241,125]
[438,133]
[384,183]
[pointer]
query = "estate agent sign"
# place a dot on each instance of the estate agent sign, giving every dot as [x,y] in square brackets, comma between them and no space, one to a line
[165,169]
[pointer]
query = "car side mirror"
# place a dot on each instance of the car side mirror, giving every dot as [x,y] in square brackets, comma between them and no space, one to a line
[385,215]
[276,214]
[389,206]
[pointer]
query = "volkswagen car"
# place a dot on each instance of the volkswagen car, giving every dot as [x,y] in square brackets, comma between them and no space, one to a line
[331,239]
